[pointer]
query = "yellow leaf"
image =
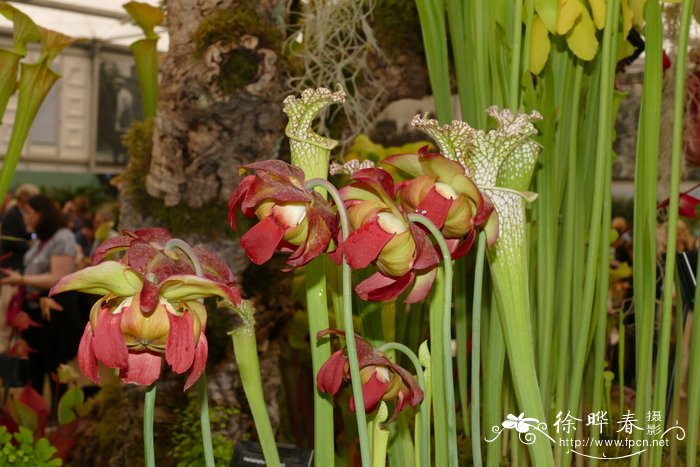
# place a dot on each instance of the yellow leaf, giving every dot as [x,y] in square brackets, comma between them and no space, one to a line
[582,37]
[598,12]
[638,12]
[547,11]
[569,11]
[539,51]
[627,17]
[146,16]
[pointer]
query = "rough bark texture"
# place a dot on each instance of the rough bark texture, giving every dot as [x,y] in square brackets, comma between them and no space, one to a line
[203,133]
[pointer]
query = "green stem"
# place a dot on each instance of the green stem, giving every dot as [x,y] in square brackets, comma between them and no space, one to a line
[476,349]
[205,421]
[598,224]
[148,409]
[320,353]
[246,350]
[424,424]
[349,325]
[514,81]
[462,334]
[432,21]
[443,385]
[645,185]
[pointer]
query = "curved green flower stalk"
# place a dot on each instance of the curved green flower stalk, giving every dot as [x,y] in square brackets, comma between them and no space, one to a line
[35,82]
[246,351]
[501,163]
[147,17]
[311,153]
[23,31]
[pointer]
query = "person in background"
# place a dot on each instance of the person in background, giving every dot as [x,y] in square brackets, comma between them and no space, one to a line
[52,255]
[13,244]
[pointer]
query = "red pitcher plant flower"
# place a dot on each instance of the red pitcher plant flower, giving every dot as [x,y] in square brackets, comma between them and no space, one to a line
[292,218]
[150,307]
[441,191]
[382,235]
[382,380]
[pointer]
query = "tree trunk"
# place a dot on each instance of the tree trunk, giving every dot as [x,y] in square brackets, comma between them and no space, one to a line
[204,127]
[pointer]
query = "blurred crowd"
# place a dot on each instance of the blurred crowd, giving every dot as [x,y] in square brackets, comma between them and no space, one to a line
[42,241]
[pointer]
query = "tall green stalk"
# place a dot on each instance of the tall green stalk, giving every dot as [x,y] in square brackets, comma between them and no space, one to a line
[355,378]
[501,163]
[661,381]
[245,348]
[694,382]
[441,352]
[311,153]
[597,223]
[432,21]
[148,411]
[35,82]
[422,424]
[146,53]
[476,350]
[645,180]
[23,31]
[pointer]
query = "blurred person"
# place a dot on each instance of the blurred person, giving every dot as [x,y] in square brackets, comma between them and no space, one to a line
[14,243]
[51,256]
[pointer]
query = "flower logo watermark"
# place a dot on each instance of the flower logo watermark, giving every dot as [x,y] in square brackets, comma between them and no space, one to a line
[565,425]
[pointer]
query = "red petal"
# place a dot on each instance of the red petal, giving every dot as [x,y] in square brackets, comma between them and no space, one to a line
[155,235]
[110,246]
[364,244]
[422,286]
[687,205]
[179,351]
[261,241]
[376,176]
[483,210]
[143,368]
[372,392]
[240,192]
[86,355]
[316,242]
[148,298]
[201,352]
[426,253]
[330,375]
[462,247]
[378,287]
[108,341]
[435,207]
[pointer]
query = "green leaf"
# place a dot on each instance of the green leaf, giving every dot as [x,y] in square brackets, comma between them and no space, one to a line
[108,277]
[547,11]
[146,16]
[69,403]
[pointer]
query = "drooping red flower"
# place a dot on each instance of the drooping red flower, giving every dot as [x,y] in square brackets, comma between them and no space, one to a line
[382,380]
[383,236]
[150,307]
[292,218]
[441,191]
